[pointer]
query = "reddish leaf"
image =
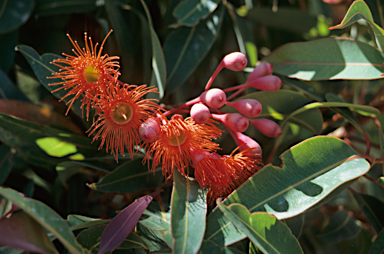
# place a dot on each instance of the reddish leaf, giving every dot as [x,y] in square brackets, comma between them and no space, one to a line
[21,231]
[123,223]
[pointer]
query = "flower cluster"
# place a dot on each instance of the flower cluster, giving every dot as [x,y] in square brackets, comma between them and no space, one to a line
[125,121]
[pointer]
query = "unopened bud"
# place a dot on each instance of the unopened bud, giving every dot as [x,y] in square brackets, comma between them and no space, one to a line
[263,69]
[214,98]
[235,121]
[247,107]
[149,130]
[268,127]
[200,113]
[250,145]
[267,83]
[235,61]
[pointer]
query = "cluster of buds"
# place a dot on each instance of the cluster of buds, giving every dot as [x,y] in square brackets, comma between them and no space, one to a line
[124,121]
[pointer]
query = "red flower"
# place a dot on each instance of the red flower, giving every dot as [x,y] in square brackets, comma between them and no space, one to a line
[88,72]
[120,112]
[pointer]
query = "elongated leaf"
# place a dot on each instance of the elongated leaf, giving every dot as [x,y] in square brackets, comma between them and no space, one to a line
[296,224]
[90,239]
[378,244]
[160,224]
[306,177]
[8,90]
[43,68]
[189,12]
[212,248]
[341,227]
[329,58]
[158,61]
[21,231]
[123,223]
[8,43]
[129,177]
[187,46]
[264,230]
[360,10]
[188,212]
[304,87]
[14,13]
[46,217]
[6,163]
[372,208]
[76,222]
[52,7]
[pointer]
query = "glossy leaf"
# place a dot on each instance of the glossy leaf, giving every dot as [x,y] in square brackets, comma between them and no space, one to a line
[21,231]
[372,208]
[378,244]
[90,239]
[189,12]
[160,224]
[304,87]
[360,10]
[158,61]
[14,14]
[306,177]
[128,177]
[46,217]
[329,58]
[43,68]
[123,223]
[341,227]
[268,233]
[212,248]
[186,47]
[188,212]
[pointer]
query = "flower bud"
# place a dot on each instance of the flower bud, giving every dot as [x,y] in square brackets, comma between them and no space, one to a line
[235,121]
[200,113]
[149,130]
[267,83]
[246,143]
[263,69]
[235,61]
[247,107]
[267,127]
[213,98]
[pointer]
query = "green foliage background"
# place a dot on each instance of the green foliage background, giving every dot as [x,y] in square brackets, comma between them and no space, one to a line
[321,189]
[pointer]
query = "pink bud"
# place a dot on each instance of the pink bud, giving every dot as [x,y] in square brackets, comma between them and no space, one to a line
[177,117]
[213,98]
[235,61]
[200,113]
[267,83]
[247,107]
[246,143]
[263,69]
[267,127]
[235,121]
[149,130]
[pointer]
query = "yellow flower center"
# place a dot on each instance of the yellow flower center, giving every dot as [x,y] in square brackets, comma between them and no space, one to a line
[122,114]
[91,74]
[178,140]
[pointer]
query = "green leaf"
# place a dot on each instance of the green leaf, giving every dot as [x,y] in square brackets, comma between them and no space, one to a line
[330,58]
[14,13]
[90,239]
[76,222]
[360,10]
[310,172]
[7,49]
[189,12]
[21,231]
[296,224]
[189,209]
[128,177]
[372,208]
[6,163]
[286,19]
[55,147]
[159,74]
[8,90]
[341,227]
[268,233]
[212,248]
[378,244]
[160,224]
[303,86]
[186,47]
[46,217]
[43,68]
